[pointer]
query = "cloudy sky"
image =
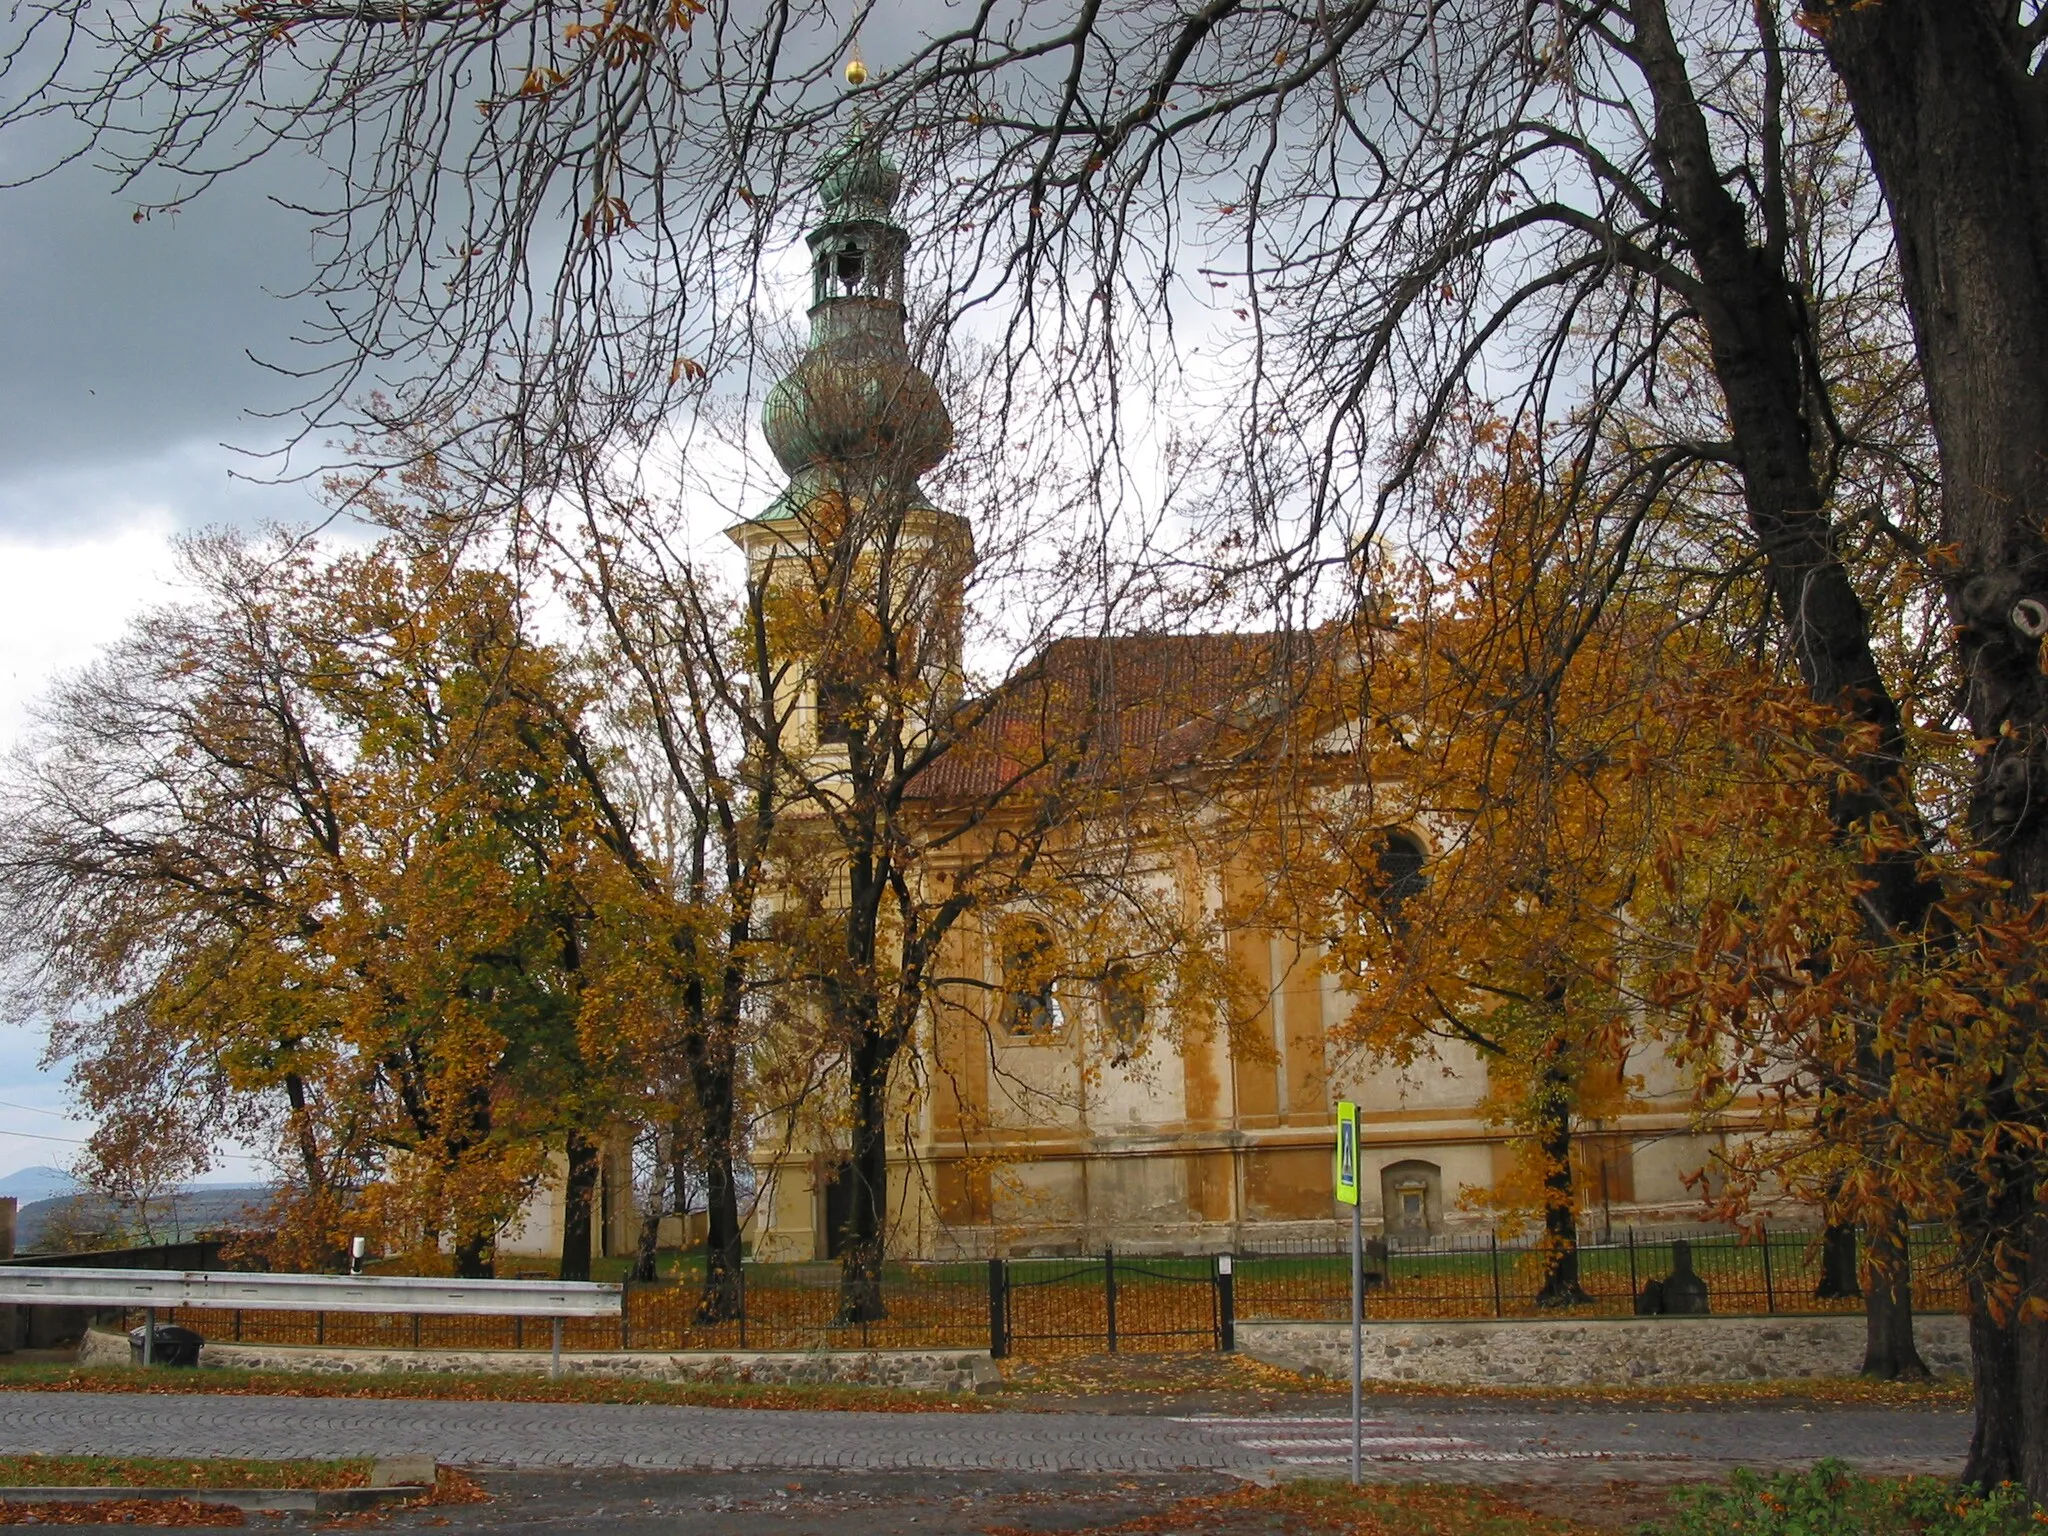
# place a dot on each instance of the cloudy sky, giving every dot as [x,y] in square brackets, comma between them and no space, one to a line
[126,387]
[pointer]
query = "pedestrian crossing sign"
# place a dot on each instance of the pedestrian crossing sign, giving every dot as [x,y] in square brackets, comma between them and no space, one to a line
[1347,1153]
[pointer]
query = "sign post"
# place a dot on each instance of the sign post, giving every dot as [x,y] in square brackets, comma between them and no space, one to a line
[1347,1194]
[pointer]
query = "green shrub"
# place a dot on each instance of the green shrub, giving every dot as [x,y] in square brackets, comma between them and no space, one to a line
[1830,1500]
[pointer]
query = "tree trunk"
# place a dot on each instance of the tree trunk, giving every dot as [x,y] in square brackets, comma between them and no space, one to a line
[1952,117]
[1748,306]
[867,1171]
[578,1192]
[1839,1280]
[649,1246]
[475,1257]
[1561,1286]
[302,1133]
[712,1079]
[1889,1352]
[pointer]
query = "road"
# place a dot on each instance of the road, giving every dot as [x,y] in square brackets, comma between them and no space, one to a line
[1462,1441]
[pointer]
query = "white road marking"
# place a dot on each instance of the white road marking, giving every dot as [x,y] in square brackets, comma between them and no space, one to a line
[1366,1442]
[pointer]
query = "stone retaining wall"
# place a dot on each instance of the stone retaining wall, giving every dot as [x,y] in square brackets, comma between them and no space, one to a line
[1621,1351]
[929,1370]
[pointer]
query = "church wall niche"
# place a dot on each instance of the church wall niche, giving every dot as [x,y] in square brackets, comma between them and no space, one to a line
[1412,1199]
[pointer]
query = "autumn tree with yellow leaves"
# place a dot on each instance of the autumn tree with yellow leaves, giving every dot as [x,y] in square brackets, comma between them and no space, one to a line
[305,836]
[1473,833]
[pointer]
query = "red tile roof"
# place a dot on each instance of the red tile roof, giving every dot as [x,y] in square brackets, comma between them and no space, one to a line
[1129,707]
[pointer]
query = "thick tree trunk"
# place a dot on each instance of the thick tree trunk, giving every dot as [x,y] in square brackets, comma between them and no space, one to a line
[1839,1280]
[1749,308]
[1561,1286]
[579,1190]
[475,1256]
[867,1171]
[1889,1352]
[712,1076]
[1952,115]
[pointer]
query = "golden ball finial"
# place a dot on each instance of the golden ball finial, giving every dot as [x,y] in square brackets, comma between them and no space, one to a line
[856,72]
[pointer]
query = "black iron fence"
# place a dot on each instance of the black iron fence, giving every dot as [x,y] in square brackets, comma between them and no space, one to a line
[780,1307]
[1146,1304]
[1475,1275]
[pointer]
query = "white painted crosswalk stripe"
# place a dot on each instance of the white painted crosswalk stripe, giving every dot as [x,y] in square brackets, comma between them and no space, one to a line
[1324,1441]
[1368,1442]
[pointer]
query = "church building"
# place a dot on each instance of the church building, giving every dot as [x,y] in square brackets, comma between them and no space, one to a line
[1056,1113]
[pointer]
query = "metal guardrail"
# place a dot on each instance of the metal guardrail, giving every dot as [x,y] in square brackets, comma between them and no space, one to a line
[152,1289]
[307,1293]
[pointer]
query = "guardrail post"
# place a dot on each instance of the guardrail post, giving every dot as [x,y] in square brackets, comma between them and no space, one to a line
[555,1349]
[1109,1290]
[238,1325]
[415,1330]
[998,1309]
[1493,1248]
[1770,1292]
[319,1327]
[149,1335]
[1226,1303]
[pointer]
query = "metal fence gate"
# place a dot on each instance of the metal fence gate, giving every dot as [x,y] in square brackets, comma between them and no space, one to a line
[1083,1304]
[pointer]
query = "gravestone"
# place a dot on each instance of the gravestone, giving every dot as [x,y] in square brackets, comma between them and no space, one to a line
[1680,1293]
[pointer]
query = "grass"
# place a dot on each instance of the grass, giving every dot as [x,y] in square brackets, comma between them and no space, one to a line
[1479,1281]
[1824,1501]
[1315,1508]
[152,1472]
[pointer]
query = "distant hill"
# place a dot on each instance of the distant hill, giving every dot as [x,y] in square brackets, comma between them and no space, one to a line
[74,1222]
[38,1183]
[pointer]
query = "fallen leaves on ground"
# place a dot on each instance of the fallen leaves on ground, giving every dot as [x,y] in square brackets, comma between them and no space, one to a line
[121,1512]
[1337,1509]
[1256,1384]
[491,1389]
[38,1471]
[452,1485]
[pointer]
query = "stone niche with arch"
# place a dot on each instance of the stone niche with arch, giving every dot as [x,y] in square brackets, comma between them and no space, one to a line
[1412,1200]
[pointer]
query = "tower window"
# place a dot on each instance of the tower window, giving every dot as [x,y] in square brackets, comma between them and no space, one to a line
[850,263]
[841,710]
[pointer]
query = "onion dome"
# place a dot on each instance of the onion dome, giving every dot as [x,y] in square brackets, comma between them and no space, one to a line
[856,405]
[860,182]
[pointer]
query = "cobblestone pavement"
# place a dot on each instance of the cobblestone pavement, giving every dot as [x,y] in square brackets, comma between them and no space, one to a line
[1465,1442]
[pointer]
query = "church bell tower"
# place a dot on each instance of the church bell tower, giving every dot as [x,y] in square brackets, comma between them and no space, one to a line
[855,425]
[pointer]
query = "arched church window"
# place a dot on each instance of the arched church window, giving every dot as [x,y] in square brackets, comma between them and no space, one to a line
[1031,1004]
[1123,1009]
[1401,877]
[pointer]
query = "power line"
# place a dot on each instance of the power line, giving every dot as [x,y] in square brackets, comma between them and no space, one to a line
[55,1114]
[71,1141]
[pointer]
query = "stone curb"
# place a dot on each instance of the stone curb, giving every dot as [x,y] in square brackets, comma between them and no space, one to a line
[317,1501]
[921,1370]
